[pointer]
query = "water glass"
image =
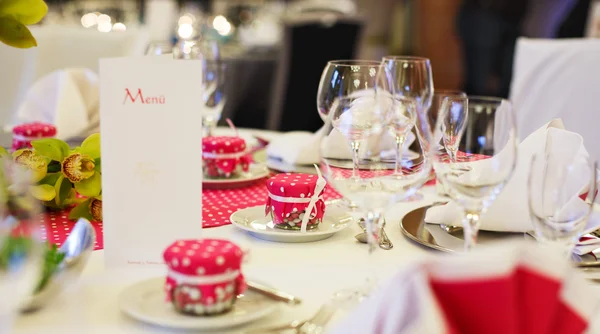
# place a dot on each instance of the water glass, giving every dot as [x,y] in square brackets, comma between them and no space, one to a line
[561,196]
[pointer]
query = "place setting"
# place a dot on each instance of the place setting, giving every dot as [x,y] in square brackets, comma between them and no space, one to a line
[131,203]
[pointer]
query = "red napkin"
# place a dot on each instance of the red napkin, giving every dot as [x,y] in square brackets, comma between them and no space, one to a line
[511,287]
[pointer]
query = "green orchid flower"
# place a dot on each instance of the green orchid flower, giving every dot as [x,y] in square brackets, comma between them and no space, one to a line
[15,16]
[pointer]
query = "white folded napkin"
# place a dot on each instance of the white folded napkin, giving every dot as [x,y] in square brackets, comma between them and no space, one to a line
[510,287]
[510,211]
[303,148]
[67,98]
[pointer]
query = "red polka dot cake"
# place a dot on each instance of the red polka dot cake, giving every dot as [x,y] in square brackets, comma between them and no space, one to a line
[224,156]
[24,134]
[204,276]
[295,201]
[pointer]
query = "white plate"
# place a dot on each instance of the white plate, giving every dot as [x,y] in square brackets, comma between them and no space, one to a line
[255,173]
[254,221]
[145,301]
[281,166]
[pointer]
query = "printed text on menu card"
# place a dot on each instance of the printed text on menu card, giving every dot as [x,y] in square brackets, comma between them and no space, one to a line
[151,156]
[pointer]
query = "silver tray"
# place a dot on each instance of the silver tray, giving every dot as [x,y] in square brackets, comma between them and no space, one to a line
[414,227]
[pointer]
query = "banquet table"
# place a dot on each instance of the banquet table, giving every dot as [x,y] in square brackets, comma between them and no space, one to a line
[312,271]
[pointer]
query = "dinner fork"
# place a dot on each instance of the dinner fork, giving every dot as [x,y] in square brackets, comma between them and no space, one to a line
[314,325]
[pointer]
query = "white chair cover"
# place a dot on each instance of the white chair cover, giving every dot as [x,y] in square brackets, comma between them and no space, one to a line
[558,79]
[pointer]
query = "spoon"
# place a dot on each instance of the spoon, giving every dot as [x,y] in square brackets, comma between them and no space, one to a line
[77,248]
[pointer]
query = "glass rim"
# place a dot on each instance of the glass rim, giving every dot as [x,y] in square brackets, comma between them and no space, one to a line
[488,98]
[354,62]
[407,58]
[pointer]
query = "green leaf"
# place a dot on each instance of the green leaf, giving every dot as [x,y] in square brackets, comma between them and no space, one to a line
[82,210]
[52,148]
[91,146]
[50,179]
[24,11]
[98,165]
[43,192]
[91,186]
[63,188]
[14,33]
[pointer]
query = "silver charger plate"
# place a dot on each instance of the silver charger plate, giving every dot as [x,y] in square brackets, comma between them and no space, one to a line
[255,173]
[254,221]
[414,227]
[145,301]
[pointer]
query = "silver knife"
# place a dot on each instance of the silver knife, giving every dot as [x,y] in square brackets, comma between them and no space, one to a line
[273,293]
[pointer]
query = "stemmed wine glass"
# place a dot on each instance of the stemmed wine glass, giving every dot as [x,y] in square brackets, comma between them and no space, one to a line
[453,123]
[21,248]
[436,104]
[347,78]
[374,187]
[213,97]
[562,191]
[490,138]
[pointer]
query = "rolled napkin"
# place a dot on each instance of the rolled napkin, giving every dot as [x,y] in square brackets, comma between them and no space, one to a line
[511,287]
[510,211]
[68,99]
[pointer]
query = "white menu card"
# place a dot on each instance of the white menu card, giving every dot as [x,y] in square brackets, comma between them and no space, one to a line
[151,136]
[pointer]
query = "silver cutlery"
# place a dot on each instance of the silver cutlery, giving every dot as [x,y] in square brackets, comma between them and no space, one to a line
[77,248]
[384,242]
[273,293]
[314,325]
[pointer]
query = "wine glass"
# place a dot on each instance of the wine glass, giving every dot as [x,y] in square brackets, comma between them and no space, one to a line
[21,249]
[436,103]
[562,191]
[490,138]
[372,186]
[401,122]
[213,91]
[345,78]
[454,121]
[410,77]
[159,48]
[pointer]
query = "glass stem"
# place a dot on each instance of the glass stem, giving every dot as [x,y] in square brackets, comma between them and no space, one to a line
[471,224]
[373,223]
[355,144]
[208,126]
[400,139]
[451,154]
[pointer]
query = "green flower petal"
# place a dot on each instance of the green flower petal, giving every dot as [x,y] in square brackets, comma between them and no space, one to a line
[43,192]
[90,187]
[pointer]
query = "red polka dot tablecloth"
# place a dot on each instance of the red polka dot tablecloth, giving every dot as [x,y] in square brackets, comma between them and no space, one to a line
[217,206]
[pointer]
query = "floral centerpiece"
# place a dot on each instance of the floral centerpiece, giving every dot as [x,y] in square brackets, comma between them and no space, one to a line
[65,177]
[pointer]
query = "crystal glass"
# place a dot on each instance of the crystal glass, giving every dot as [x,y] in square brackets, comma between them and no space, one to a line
[409,77]
[453,123]
[342,78]
[21,248]
[562,191]
[488,152]
[159,48]
[372,185]
[436,103]
[213,94]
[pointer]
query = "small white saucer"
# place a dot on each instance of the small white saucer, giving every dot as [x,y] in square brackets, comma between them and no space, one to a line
[145,301]
[255,173]
[253,220]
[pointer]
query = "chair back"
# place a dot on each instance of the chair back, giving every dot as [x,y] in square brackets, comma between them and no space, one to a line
[558,79]
[309,43]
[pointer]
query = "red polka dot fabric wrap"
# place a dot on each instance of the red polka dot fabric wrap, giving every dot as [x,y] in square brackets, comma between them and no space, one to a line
[204,276]
[290,193]
[223,154]
[24,134]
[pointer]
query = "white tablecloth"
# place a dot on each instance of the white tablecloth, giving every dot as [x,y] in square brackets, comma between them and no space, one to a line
[312,271]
